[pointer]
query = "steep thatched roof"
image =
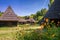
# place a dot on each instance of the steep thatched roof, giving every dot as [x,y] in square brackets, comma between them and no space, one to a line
[54,11]
[9,15]
[30,20]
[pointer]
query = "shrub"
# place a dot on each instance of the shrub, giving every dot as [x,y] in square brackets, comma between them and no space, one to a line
[51,33]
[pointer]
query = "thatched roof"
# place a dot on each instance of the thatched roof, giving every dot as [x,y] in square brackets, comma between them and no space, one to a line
[30,20]
[54,11]
[22,20]
[9,15]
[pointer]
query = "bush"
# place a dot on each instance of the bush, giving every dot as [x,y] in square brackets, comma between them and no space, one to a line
[52,33]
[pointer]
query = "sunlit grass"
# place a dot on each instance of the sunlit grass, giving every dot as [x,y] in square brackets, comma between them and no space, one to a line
[8,36]
[10,33]
[8,28]
[29,33]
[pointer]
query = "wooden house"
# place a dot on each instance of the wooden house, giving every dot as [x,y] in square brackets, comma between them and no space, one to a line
[30,21]
[22,21]
[8,18]
[53,12]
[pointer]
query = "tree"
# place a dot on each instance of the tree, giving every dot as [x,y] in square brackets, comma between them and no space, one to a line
[40,13]
[51,2]
[32,15]
[39,18]
[43,11]
[0,13]
[26,17]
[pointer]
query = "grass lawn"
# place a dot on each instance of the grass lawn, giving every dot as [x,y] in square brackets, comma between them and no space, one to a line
[8,36]
[9,33]
[7,28]
[18,33]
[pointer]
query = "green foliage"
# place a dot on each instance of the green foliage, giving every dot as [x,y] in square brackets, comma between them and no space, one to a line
[39,18]
[51,2]
[42,12]
[27,17]
[32,15]
[52,33]
[39,14]
[0,13]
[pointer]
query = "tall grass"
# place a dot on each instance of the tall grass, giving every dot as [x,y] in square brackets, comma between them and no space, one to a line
[48,33]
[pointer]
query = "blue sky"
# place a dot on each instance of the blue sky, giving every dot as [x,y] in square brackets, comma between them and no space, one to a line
[24,7]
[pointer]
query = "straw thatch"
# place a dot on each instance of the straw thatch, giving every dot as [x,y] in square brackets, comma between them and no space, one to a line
[31,20]
[22,20]
[54,11]
[9,15]
[8,18]
[53,14]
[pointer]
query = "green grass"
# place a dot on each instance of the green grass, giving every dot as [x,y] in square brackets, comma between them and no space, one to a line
[8,36]
[28,25]
[29,33]
[14,35]
[7,28]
